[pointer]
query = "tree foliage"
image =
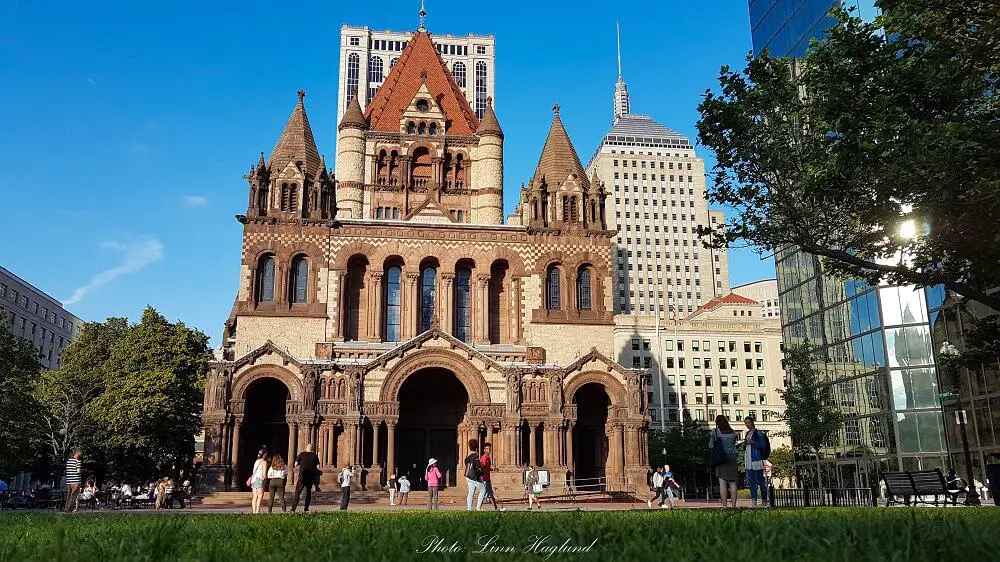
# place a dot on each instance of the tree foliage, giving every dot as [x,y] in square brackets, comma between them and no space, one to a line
[782,463]
[129,395]
[877,153]
[686,446]
[18,432]
[811,416]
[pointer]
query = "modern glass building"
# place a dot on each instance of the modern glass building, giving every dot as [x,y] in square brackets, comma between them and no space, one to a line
[875,350]
[784,27]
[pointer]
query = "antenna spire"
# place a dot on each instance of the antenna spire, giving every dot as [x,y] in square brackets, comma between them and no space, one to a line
[423,16]
[619,34]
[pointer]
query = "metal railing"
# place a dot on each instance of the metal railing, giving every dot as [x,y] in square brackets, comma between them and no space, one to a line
[823,497]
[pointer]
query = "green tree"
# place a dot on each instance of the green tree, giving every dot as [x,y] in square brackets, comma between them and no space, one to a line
[150,407]
[877,153]
[18,431]
[811,416]
[65,394]
[782,463]
[686,449]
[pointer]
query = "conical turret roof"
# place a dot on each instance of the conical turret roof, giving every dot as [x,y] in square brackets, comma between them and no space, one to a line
[559,159]
[489,124]
[296,143]
[353,117]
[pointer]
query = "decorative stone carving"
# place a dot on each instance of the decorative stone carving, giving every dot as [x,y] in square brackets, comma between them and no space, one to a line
[309,382]
[556,395]
[513,394]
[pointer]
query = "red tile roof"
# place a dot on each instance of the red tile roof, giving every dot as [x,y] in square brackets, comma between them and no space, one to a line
[404,79]
[731,298]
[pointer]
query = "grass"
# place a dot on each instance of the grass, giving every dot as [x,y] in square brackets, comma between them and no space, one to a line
[752,535]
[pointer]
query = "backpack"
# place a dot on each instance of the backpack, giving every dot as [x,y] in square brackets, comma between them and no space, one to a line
[473,468]
[717,454]
[765,447]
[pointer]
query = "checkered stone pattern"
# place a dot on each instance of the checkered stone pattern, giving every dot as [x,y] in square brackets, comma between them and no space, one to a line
[286,239]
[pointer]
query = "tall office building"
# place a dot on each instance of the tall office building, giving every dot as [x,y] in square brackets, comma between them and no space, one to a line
[658,185]
[37,317]
[784,27]
[765,292]
[367,55]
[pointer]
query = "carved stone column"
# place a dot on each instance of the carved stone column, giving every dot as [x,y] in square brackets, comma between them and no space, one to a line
[235,445]
[445,311]
[293,433]
[224,448]
[375,311]
[390,454]
[570,459]
[631,445]
[532,435]
[619,464]
[482,324]
[515,299]
[411,306]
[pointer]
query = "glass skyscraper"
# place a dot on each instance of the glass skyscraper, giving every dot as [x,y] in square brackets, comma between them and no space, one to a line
[874,349]
[784,27]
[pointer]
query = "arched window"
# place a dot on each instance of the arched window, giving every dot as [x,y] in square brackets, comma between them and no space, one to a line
[480,89]
[428,297]
[265,280]
[411,128]
[463,302]
[421,128]
[353,71]
[392,62]
[300,280]
[375,66]
[458,71]
[583,293]
[552,288]
[433,129]
[392,286]
[571,210]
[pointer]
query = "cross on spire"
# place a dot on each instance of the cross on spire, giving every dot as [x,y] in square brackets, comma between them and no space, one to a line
[423,16]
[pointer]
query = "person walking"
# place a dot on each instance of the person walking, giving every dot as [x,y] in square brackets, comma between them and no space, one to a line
[727,472]
[433,477]
[277,477]
[670,489]
[757,449]
[473,476]
[73,480]
[345,486]
[391,484]
[258,480]
[307,464]
[532,487]
[486,460]
[657,484]
[404,490]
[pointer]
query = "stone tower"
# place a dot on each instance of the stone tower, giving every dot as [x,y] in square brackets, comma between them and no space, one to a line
[351,161]
[487,197]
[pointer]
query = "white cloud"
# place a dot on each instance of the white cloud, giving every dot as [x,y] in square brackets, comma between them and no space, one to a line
[195,200]
[91,81]
[137,255]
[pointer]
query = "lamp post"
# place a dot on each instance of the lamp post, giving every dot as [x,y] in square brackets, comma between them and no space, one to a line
[950,352]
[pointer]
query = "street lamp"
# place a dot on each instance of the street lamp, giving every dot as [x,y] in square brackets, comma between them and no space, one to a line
[950,352]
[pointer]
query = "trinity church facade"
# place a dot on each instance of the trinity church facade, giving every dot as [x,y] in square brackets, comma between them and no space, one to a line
[387,314]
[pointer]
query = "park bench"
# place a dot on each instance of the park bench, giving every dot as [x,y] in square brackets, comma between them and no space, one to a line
[914,485]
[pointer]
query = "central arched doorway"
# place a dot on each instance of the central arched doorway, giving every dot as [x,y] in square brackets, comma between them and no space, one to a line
[264,424]
[432,403]
[590,442]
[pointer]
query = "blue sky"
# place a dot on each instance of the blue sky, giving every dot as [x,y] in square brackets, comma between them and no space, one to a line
[127,125]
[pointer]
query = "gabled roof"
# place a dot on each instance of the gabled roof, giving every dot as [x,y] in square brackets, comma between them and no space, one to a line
[296,143]
[433,333]
[559,159]
[429,210]
[420,58]
[731,298]
[268,347]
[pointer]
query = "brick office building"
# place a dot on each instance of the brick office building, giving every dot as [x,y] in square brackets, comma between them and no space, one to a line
[386,314]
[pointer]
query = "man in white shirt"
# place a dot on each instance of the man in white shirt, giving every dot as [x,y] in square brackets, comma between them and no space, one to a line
[345,486]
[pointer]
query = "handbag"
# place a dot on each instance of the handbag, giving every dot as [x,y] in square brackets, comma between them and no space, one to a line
[717,455]
[250,481]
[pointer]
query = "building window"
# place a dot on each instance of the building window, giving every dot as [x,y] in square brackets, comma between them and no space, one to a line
[428,297]
[353,71]
[355,41]
[463,291]
[375,68]
[300,280]
[480,89]
[265,280]
[583,288]
[392,286]
[480,49]
[458,71]
[552,288]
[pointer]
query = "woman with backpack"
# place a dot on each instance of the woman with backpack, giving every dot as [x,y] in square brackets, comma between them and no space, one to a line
[474,476]
[757,451]
[722,452]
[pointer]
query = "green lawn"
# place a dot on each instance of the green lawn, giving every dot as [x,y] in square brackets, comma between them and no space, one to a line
[754,535]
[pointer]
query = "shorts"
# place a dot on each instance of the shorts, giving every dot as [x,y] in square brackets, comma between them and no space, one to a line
[258,483]
[489,489]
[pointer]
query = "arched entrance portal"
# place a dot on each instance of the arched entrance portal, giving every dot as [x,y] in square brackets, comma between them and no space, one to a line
[432,403]
[590,442]
[264,424]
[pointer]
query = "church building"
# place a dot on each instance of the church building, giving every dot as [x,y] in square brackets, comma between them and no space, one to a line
[387,314]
